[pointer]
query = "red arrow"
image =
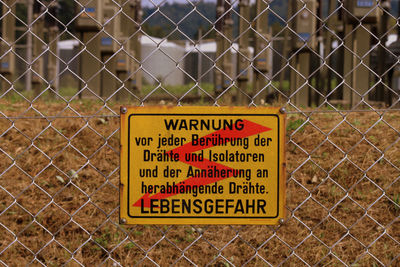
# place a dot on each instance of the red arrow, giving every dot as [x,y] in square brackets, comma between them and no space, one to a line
[249,129]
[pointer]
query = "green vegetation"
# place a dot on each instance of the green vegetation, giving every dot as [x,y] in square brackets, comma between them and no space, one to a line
[396,200]
[130,246]
[176,89]
[285,85]
[20,95]
[294,125]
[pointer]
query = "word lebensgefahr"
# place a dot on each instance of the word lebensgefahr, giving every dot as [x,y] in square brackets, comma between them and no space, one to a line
[207,206]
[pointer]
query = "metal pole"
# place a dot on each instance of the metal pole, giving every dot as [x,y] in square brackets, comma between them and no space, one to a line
[380,90]
[227,28]
[260,51]
[53,54]
[320,76]
[347,64]
[284,55]
[53,57]
[361,74]
[305,25]
[332,25]
[303,98]
[7,63]
[37,49]
[138,47]
[57,78]
[199,63]
[398,15]
[219,49]
[243,55]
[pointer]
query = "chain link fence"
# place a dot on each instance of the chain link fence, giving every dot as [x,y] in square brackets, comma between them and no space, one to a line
[67,66]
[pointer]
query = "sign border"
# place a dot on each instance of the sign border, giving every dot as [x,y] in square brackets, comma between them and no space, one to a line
[206,217]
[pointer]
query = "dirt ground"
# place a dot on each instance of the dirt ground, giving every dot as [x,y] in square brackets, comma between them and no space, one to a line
[59,196]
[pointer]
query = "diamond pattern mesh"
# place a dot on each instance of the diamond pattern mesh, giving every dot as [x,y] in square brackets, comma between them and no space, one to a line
[66,66]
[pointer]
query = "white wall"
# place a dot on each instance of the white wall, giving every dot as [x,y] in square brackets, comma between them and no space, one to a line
[159,60]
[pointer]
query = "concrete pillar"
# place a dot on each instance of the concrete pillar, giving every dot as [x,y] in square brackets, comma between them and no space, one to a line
[90,64]
[7,63]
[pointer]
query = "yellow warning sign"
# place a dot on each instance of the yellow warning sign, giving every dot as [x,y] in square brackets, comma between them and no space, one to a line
[202,165]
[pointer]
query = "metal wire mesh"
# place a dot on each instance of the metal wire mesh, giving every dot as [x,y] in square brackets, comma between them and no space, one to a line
[59,132]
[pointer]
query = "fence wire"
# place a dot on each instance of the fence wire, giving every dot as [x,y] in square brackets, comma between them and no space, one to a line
[67,66]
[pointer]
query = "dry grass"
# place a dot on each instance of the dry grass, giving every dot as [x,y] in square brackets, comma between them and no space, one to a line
[57,207]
